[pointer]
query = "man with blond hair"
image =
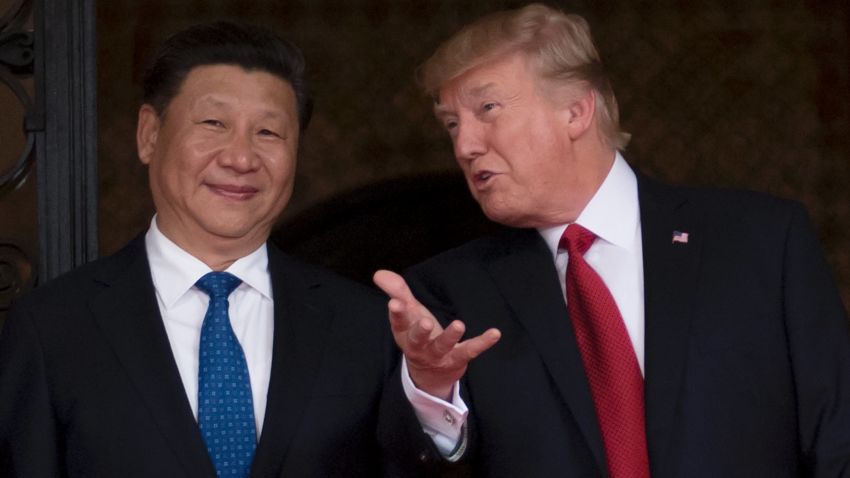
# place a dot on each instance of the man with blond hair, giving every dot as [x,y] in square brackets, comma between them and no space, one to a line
[620,327]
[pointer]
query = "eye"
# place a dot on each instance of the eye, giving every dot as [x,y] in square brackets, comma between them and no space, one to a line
[213,122]
[268,132]
[450,125]
[489,106]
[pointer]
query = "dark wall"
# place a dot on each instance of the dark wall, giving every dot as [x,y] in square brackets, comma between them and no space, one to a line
[742,94]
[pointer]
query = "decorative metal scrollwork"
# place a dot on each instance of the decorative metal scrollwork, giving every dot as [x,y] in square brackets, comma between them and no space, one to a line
[17,274]
[16,60]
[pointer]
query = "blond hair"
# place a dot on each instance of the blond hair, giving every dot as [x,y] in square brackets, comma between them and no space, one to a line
[559,44]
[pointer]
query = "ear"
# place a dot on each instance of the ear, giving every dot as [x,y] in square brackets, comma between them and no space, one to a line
[147,130]
[580,113]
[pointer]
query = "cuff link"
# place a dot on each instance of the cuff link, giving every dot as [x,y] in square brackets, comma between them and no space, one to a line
[448,417]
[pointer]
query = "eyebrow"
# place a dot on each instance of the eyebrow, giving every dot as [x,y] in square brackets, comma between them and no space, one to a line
[213,101]
[271,114]
[266,114]
[474,92]
[441,111]
[482,89]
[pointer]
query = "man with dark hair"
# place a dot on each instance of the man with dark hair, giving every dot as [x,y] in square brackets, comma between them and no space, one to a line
[200,349]
[626,328]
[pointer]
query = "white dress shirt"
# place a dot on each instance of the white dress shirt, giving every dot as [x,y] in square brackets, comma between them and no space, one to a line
[613,214]
[183,307]
[443,421]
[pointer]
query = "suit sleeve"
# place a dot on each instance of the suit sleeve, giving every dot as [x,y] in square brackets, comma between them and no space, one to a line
[819,340]
[28,431]
[411,451]
[398,419]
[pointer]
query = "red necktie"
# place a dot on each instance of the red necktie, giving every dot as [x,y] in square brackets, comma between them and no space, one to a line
[609,360]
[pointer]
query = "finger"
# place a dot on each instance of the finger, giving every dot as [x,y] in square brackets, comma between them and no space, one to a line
[447,340]
[471,348]
[393,285]
[420,331]
[400,319]
[403,315]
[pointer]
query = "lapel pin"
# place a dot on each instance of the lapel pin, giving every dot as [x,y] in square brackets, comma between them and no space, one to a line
[680,237]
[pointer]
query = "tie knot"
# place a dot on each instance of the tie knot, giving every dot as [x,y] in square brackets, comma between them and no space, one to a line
[576,239]
[218,284]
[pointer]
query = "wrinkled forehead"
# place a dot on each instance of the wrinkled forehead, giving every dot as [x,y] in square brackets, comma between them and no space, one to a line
[497,76]
[452,97]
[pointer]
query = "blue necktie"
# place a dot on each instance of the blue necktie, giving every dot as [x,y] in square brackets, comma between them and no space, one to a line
[225,407]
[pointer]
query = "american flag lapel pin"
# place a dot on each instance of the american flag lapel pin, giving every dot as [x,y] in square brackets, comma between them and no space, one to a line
[680,237]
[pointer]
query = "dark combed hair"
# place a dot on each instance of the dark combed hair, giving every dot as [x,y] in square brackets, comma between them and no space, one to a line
[247,46]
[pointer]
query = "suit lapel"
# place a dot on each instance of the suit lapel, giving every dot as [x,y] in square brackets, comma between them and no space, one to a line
[129,317]
[670,271]
[526,275]
[301,324]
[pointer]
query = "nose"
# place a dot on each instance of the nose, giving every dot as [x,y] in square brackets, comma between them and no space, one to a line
[240,154]
[469,141]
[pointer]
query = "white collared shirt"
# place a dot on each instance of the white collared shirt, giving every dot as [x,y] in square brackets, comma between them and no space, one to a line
[613,214]
[183,307]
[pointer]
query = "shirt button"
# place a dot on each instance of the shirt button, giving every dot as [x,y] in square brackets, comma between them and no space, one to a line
[448,417]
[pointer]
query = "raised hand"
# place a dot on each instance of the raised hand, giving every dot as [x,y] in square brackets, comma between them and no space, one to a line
[435,358]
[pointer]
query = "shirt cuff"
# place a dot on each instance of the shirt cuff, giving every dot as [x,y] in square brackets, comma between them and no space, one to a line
[444,422]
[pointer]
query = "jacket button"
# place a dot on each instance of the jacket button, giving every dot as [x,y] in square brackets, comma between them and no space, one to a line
[423,457]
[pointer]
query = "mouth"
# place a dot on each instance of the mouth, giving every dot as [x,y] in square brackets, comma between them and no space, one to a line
[482,178]
[232,191]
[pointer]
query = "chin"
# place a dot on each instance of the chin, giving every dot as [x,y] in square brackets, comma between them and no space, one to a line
[233,229]
[502,216]
[511,216]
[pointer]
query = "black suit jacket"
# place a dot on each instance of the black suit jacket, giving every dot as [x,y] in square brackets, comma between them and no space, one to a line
[747,346]
[89,386]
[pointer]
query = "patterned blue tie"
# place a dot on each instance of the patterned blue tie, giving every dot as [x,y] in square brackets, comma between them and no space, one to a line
[225,407]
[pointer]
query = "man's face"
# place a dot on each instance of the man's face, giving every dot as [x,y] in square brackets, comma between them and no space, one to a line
[221,157]
[511,142]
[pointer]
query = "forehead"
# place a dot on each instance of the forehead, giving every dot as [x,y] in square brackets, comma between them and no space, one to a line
[235,82]
[503,75]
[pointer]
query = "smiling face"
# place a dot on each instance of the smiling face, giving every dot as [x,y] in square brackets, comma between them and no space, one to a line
[221,160]
[520,142]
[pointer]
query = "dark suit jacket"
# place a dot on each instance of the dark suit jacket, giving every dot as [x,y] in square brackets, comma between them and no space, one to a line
[747,346]
[89,386]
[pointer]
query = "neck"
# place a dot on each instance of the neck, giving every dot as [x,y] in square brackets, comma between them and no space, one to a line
[218,253]
[593,166]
